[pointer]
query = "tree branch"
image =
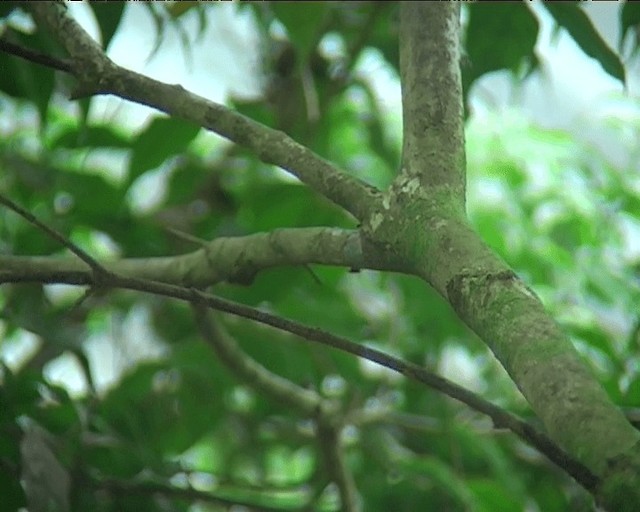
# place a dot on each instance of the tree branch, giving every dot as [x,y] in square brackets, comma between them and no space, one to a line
[308,402]
[500,417]
[52,233]
[433,130]
[35,57]
[233,259]
[97,74]
[240,364]
[134,487]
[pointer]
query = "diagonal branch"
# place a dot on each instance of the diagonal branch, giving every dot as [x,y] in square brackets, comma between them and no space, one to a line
[97,74]
[95,267]
[501,418]
[280,389]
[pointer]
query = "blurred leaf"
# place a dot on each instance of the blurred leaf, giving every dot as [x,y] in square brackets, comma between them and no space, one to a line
[631,397]
[101,136]
[499,36]
[13,497]
[303,25]
[7,7]
[108,15]
[46,481]
[491,497]
[165,137]
[93,200]
[572,17]
[629,20]
[23,79]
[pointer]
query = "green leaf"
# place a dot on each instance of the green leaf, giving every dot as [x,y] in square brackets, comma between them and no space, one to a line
[163,138]
[95,201]
[492,497]
[13,497]
[573,18]
[23,79]
[108,15]
[302,24]
[631,397]
[499,36]
[101,136]
[629,19]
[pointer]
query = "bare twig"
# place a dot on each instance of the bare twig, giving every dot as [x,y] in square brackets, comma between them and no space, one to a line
[58,237]
[501,418]
[33,56]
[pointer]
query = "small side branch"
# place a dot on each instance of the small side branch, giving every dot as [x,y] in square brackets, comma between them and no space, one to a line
[306,401]
[35,57]
[274,386]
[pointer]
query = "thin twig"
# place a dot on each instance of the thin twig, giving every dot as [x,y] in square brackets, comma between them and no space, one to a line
[33,56]
[501,418]
[58,237]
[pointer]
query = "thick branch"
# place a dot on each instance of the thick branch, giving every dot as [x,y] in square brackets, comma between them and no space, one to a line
[235,259]
[433,147]
[423,218]
[97,74]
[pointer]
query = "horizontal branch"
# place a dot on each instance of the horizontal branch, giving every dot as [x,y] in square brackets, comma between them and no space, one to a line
[97,74]
[233,259]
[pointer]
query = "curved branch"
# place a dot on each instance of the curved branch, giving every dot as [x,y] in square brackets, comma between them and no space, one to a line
[306,401]
[274,386]
[97,74]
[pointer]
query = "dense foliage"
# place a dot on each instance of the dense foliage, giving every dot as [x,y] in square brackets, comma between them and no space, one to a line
[115,396]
